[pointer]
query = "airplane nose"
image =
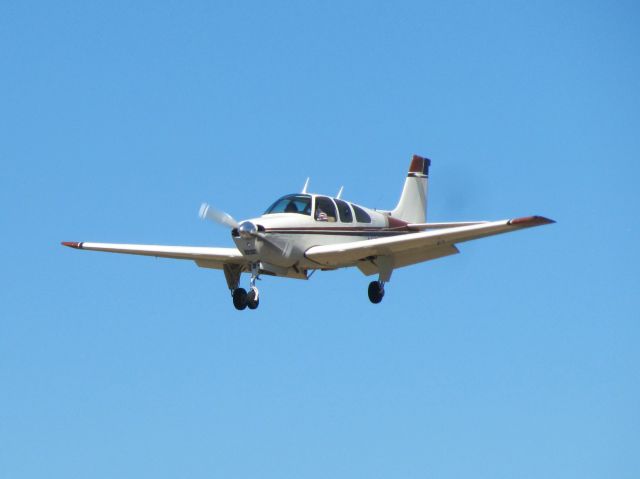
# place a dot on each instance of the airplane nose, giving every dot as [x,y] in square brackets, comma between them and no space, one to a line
[247,230]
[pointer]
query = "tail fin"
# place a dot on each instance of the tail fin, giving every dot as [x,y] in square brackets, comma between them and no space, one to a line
[412,206]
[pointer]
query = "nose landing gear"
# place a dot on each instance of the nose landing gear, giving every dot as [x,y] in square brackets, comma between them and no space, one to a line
[243,299]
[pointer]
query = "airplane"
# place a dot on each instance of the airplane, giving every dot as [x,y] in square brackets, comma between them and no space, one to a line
[305,232]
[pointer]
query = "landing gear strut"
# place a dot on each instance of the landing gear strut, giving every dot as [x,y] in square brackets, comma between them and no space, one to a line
[253,296]
[376,291]
[376,288]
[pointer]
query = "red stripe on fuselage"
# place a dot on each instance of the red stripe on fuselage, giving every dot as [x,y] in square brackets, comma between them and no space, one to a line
[341,230]
[396,223]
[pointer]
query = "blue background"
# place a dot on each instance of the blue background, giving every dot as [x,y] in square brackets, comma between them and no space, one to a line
[517,358]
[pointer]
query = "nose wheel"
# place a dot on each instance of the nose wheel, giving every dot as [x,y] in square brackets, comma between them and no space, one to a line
[253,300]
[376,291]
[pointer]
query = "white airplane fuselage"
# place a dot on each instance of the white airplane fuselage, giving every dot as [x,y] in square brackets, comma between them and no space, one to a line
[288,235]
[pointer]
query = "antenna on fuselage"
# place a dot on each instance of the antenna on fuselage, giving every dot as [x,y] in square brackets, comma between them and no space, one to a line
[339,193]
[304,188]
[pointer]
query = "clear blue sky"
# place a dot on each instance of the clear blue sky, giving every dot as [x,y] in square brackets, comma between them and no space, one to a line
[517,358]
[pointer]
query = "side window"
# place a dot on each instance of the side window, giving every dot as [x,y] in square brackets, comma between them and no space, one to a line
[325,209]
[345,211]
[361,215]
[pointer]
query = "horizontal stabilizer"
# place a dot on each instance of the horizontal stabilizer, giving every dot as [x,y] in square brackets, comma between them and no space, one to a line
[449,224]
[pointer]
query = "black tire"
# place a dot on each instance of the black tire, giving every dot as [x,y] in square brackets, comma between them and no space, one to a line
[376,292]
[252,301]
[240,298]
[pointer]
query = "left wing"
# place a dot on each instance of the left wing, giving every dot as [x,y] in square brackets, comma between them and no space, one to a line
[204,256]
[412,248]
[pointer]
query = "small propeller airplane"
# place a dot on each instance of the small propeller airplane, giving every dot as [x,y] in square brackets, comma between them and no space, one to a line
[304,232]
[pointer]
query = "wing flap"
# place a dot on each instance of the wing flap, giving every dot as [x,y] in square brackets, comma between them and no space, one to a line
[418,255]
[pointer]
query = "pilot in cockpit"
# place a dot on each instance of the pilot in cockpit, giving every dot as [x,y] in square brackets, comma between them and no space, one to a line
[291,208]
[321,215]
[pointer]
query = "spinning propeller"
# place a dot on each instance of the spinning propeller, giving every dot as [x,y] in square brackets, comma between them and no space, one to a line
[207,212]
[246,229]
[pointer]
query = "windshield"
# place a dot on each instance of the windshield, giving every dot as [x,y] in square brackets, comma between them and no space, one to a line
[300,204]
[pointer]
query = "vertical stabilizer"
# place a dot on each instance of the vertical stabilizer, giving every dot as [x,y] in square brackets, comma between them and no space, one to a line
[412,206]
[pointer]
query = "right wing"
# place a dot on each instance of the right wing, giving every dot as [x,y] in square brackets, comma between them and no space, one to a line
[413,248]
[204,256]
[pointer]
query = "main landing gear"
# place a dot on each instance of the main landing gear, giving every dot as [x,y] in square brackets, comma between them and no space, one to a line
[243,299]
[376,291]
[376,288]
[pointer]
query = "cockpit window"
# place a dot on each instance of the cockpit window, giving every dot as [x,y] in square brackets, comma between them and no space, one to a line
[291,204]
[345,212]
[325,209]
[361,215]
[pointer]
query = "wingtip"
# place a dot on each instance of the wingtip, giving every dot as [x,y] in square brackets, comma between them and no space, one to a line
[531,221]
[72,244]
